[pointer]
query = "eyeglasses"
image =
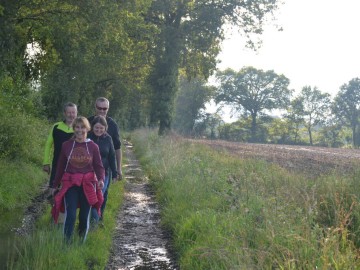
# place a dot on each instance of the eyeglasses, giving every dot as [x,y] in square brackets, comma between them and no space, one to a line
[101,108]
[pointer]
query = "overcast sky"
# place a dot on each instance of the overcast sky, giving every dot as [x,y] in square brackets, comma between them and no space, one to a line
[319,45]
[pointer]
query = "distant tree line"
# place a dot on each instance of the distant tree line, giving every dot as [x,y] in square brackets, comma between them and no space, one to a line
[310,117]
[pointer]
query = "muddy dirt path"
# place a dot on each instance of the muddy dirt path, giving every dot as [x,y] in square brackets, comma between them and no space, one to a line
[139,241]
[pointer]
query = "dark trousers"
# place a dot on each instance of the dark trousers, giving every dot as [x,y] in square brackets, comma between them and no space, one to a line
[75,197]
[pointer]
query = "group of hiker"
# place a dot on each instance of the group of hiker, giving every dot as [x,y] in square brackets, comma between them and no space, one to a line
[86,156]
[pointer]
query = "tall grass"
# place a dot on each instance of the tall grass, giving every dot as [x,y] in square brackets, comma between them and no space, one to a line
[20,182]
[46,249]
[233,213]
[22,137]
[22,142]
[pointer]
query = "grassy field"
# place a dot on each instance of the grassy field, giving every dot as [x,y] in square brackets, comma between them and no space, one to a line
[233,213]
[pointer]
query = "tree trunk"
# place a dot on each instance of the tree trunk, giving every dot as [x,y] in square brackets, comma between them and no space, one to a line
[354,136]
[310,136]
[164,79]
[253,127]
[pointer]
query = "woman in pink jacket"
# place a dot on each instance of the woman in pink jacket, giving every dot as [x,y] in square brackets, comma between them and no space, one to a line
[80,174]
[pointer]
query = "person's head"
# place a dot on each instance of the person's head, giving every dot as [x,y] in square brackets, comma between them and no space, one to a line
[99,125]
[102,106]
[81,127]
[70,112]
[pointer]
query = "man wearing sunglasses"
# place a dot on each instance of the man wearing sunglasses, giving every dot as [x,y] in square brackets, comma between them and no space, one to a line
[101,108]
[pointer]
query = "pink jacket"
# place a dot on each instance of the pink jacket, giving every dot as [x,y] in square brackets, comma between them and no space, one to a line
[89,183]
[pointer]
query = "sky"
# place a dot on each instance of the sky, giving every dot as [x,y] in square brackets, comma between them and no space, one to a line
[319,45]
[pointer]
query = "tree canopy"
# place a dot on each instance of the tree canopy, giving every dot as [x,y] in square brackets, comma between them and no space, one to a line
[346,106]
[315,107]
[253,91]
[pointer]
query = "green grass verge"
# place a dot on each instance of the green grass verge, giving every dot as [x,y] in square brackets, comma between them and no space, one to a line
[45,248]
[232,213]
[20,182]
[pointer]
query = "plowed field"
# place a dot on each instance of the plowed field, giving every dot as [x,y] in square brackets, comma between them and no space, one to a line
[309,160]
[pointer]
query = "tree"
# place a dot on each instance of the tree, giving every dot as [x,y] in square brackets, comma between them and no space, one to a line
[314,108]
[191,99]
[279,131]
[84,49]
[295,118]
[333,134]
[346,106]
[253,91]
[189,36]
[16,68]
[100,53]
[207,125]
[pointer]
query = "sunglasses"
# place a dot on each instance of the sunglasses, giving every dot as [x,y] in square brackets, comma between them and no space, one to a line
[101,108]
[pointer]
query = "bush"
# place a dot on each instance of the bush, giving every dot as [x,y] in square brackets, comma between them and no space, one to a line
[22,137]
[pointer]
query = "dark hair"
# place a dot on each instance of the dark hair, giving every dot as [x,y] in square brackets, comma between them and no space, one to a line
[99,119]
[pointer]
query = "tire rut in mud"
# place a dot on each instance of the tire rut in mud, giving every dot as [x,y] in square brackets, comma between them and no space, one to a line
[32,213]
[139,241]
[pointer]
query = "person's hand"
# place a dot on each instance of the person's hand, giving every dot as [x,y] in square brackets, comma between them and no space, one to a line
[46,168]
[101,184]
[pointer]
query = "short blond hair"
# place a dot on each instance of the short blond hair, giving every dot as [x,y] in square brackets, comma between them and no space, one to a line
[82,121]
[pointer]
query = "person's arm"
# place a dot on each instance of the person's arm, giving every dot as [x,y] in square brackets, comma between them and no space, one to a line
[112,159]
[48,145]
[115,135]
[98,166]
[60,168]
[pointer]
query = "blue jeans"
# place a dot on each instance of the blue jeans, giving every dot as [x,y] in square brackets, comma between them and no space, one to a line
[73,197]
[94,214]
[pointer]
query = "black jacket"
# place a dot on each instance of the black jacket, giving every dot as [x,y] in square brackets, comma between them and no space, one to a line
[107,152]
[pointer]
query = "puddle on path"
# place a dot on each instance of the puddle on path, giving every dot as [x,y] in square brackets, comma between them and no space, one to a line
[139,241]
